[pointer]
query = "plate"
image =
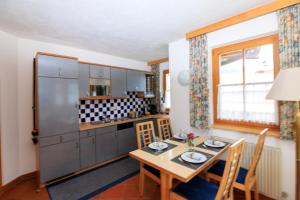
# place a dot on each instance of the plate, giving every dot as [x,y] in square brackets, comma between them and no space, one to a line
[193,157]
[216,144]
[180,137]
[158,145]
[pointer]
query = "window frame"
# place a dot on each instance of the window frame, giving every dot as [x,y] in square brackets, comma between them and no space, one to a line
[272,39]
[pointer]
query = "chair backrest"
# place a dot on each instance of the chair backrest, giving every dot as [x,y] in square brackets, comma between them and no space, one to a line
[231,170]
[164,128]
[144,133]
[257,154]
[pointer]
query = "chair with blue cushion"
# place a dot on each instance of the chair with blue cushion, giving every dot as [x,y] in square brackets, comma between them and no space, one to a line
[145,135]
[246,179]
[199,188]
[164,128]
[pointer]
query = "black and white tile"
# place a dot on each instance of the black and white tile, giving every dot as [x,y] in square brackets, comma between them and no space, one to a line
[95,110]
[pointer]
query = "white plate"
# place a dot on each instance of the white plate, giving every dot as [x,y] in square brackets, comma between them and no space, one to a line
[158,145]
[217,144]
[179,137]
[193,157]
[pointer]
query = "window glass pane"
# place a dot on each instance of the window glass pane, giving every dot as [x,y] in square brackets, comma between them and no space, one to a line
[257,108]
[230,103]
[231,68]
[259,64]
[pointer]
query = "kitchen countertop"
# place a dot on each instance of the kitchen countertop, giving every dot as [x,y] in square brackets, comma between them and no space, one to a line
[88,126]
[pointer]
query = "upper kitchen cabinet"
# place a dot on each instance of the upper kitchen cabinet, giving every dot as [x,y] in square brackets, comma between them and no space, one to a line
[84,74]
[97,71]
[136,81]
[51,66]
[118,82]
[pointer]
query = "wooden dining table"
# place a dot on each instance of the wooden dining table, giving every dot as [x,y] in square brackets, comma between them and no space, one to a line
[170,170]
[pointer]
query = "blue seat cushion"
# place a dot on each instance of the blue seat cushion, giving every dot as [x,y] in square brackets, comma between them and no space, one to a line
[152,170]
[219,167]
[197,188]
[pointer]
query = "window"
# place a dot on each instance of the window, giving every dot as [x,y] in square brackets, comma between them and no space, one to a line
[243,73]
[166,88]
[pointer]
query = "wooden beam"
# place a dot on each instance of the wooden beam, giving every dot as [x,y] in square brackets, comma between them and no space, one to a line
[245,16]
[155,62]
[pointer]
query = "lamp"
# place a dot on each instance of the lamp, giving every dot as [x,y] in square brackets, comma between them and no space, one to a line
[286,87]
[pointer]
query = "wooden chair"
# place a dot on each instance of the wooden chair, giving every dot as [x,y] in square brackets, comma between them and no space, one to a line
[164,128]
[199,188]
[145,135]
[246,179]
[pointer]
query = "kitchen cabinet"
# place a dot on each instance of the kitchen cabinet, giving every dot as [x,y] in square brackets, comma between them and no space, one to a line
[83,80]
[136,81]
[126,141]
[99,72]
[58,106]
[58,160]
[106,144]
[87,148]
[118,82]
[50,66]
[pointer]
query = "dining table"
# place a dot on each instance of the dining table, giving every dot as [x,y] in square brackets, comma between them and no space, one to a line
[172,167]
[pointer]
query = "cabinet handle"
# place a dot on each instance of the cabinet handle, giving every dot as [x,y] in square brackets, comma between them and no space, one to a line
[59,71]
[77,105]
[60,138]
[77,145]
[93,140]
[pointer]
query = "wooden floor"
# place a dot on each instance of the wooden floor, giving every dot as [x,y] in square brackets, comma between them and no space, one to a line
[127,190]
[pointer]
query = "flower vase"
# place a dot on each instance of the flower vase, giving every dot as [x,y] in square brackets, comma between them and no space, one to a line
[191,145]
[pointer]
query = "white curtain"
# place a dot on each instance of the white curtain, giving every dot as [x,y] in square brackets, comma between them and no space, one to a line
[247,103]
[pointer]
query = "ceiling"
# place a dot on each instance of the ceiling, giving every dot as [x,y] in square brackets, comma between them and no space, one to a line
[136,29]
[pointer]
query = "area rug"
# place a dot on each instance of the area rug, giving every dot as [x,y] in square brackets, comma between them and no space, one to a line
[94,182]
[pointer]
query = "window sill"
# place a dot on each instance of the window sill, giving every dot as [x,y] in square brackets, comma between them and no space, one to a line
[244,129]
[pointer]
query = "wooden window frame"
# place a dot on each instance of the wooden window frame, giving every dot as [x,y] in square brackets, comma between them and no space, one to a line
[165,73]
[272,39]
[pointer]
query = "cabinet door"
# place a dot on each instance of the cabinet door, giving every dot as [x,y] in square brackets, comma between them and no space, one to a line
[106,146]
[99,72]
[84,73]
[126,141]
[59,160]
[58,106]
[87,151]
[141,83]
[118,82]
[136,81]
[50,66]
[69,68]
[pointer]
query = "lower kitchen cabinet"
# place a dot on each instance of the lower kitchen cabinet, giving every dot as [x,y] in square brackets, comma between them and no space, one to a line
[106,145]
[126,141]
[58,160]
[87,151]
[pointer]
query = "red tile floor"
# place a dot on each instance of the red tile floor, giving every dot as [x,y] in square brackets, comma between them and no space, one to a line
[127,190]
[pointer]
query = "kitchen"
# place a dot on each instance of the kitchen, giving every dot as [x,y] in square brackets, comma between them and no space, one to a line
[73,137]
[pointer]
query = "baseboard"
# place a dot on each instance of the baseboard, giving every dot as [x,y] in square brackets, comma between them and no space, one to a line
[18,180]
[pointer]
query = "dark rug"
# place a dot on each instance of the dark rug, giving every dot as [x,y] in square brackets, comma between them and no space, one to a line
[91,183]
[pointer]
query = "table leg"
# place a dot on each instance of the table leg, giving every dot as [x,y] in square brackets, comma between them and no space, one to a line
[165,186]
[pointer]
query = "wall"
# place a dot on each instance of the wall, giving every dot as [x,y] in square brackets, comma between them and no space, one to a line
[18,153]
[8,107]
[179,60]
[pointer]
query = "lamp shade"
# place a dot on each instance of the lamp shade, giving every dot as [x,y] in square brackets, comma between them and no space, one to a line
[286,86]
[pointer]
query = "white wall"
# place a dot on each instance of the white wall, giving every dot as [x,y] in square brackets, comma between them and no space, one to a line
[18,155]
[179,60]
[8,107]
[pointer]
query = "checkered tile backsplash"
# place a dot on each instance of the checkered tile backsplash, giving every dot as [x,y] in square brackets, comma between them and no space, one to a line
[95,110]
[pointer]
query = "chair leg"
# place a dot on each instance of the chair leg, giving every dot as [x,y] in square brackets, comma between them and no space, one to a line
[142,182]
[248,193]
[256,191]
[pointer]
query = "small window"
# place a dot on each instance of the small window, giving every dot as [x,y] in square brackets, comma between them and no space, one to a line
[166,88]
[243,74]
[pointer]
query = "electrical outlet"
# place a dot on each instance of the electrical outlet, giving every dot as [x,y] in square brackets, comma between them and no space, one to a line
[113,108]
